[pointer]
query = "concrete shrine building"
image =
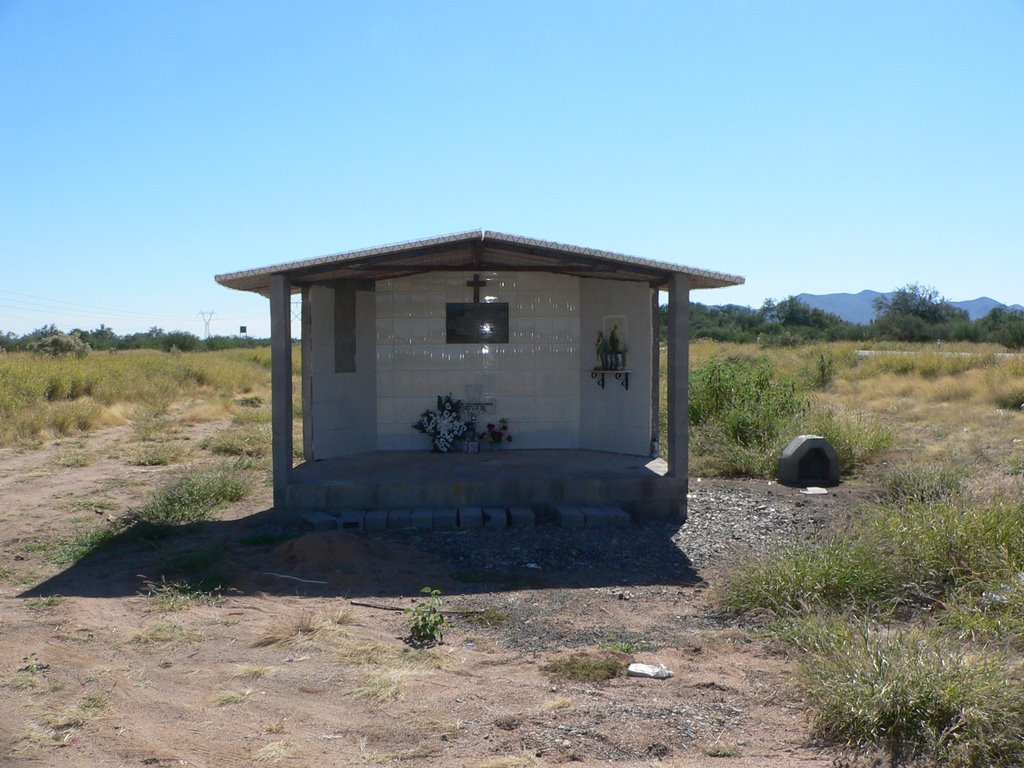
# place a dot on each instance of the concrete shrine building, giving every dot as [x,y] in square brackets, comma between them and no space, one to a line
[561,341]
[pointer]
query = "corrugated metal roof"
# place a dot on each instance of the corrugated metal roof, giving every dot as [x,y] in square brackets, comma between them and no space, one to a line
[474,250]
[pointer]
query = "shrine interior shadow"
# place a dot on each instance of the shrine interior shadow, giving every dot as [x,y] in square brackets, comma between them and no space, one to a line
[269,553]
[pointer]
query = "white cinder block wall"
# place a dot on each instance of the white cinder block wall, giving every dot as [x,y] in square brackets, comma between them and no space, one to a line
[614,419]
[343,403]
[534,379]
[540,380]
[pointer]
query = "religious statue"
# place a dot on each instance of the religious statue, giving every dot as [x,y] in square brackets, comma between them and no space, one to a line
[615,348]
[601,348]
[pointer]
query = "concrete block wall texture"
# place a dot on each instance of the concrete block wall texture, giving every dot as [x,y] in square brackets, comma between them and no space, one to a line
[534,379]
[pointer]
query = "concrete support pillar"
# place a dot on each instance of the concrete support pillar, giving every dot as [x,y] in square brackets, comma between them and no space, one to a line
[655,366]
[281,384]
[307,376]
[678,375]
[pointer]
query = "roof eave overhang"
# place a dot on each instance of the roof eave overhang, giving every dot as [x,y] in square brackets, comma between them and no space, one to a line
[480,251]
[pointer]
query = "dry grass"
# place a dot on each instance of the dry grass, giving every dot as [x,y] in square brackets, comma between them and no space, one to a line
[252,672]
[305,629]
[42,397]
[384,669]
[166,632]
[274,752]
[227,698]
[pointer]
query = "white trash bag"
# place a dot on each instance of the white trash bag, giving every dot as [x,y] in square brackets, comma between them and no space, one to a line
[658,672]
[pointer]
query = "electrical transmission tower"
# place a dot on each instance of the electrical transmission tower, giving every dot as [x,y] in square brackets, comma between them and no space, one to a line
[207,317]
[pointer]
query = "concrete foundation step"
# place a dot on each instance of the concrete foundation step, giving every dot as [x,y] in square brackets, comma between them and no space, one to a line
[591,517]
[461,518]
[421,518]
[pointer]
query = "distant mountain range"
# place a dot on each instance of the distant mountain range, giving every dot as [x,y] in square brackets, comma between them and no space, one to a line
[859,307]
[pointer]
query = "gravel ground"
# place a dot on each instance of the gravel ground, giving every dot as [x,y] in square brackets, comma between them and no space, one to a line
[725,518]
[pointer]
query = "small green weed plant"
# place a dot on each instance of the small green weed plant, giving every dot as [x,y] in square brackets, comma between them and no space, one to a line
[426,622]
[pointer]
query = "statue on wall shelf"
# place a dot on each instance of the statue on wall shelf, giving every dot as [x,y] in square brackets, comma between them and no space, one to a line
[601,348]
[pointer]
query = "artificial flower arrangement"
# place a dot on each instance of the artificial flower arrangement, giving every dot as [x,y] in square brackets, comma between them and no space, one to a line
[445,424]
[496,433]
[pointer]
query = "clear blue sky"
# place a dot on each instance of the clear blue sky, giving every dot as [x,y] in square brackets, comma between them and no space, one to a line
[812,147]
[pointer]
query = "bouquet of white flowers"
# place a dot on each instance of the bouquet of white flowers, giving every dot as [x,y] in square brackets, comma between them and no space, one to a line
[445,424]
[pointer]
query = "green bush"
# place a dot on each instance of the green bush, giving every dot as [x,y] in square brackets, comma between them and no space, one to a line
[740,411]
[60,344]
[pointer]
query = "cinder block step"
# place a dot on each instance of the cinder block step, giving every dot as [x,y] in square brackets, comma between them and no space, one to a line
[319,521]
[422,518]
[495,518]
[400,519]
[446,519]
[351,521]
[605,517]
[520,517]
[375,520]
[570,517]
[471,517]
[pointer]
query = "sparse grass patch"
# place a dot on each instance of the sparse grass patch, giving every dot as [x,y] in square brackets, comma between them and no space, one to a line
[157,454]
[94,703]
[252,442]
[490,616]
[381,685]
[252,671]
[304,628]
[227,698]
[173,596]
[96,506]
[193,496]
[586,667]
[274,752]
[560,702]
[166,632]
[627,647]
[71,549]
[721,751]
[44,603]
[73,458]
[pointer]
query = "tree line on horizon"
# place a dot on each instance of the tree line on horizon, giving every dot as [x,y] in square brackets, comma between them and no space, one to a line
[912,313]
[50,339]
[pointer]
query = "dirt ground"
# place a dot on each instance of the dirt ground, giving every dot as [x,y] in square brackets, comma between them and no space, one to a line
[286,669]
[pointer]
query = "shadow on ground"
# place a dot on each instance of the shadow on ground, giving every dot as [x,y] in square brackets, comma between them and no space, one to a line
[267,553]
